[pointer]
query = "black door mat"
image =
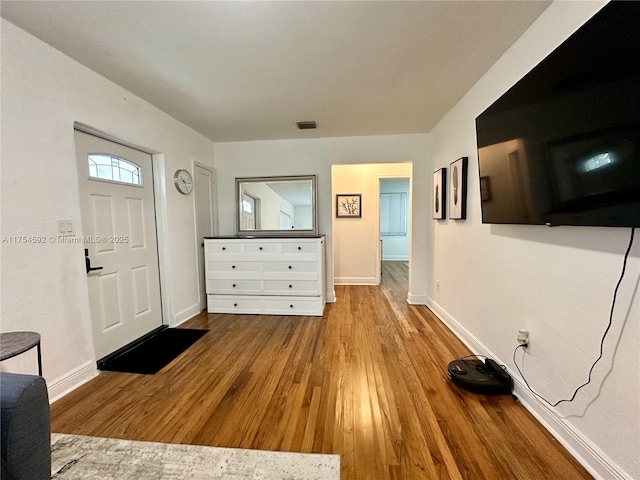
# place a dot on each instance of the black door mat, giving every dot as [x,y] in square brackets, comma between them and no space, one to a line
[152,353]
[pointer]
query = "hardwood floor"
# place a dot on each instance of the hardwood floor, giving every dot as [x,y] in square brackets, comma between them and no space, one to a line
[367,380]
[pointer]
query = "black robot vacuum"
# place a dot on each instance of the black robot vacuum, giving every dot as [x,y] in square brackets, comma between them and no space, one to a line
[474,375]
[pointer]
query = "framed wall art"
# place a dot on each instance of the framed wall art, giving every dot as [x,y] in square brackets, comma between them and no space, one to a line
[349,205]
[458,189]
[439,194]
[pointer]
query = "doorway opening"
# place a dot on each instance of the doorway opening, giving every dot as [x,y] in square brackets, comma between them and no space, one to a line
[394,232]
[357,250]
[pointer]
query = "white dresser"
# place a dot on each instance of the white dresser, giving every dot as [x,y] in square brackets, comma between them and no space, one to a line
[273,276]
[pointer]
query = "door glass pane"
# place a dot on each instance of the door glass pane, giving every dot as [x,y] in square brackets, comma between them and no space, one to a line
[114,169]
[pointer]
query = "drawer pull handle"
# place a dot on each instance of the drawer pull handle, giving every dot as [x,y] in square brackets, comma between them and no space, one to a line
[290,267]
[290,286]
[224,248]
[290,306]
[260,248]
[235,304]
[299,248]
[234,285]
[233,266]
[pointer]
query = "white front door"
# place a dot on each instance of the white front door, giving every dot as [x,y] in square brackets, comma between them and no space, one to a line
[204,191]
[119,235]
[248,213]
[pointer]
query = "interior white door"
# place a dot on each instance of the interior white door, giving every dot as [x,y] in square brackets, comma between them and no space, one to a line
[204,192]
[119,235]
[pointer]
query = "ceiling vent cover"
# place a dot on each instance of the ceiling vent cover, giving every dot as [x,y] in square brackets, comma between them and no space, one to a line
[306,125]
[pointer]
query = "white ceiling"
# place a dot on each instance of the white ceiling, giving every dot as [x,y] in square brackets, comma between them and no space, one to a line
[236,70]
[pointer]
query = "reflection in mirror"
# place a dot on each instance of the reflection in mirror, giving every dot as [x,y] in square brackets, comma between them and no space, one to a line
[276,205]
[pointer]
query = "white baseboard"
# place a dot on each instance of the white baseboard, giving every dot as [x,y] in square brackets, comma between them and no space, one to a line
[185,315]
[589,455]
[331,297]
[355,281]
[72,380]
[417,299]
[395,258]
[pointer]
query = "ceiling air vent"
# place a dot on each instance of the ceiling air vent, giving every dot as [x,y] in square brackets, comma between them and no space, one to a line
[306,125]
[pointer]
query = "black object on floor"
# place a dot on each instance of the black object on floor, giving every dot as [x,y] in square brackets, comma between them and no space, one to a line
[151,353]
[487,377]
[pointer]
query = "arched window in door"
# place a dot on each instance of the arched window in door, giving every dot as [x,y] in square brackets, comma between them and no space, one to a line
[114,169]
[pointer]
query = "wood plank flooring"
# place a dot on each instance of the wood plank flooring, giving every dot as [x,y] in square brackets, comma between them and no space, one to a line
[367,380]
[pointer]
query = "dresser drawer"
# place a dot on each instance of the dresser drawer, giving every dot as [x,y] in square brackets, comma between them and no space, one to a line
[234,286]
[230,304]
[293,306]
[262,248]
[221,248]
[290,267]
[300,247]
[291,287]
[216,267]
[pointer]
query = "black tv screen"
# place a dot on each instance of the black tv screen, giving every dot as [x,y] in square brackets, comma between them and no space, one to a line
[562,146]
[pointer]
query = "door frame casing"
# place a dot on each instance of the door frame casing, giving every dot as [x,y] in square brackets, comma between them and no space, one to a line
[161,217]
[214,218]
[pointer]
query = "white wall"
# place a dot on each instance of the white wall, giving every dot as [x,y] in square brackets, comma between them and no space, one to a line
[356,240]
[303,217]
[395,247]
[316,156]
[556,282]
[44,286]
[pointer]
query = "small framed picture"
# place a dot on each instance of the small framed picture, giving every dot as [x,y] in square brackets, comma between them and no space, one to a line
[439,194]
[458,189]
[349,205]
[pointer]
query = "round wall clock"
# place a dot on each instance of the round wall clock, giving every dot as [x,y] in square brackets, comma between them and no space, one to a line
[183,181]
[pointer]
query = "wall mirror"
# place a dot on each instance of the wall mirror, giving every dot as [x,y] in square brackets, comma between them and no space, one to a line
[277,206]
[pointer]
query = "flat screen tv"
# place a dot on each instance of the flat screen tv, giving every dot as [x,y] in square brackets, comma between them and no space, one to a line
[562,146]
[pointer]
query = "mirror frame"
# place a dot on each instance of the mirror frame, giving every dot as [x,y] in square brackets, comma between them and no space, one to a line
[313,231]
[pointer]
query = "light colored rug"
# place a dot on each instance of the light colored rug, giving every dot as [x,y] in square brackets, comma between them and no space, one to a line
[79,458]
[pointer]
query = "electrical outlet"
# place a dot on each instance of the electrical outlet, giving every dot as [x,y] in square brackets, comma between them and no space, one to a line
[523,337]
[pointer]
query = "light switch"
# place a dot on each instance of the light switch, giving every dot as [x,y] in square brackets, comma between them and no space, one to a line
[65,228]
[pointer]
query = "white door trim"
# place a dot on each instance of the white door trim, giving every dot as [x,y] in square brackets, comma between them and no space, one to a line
[105,136]
[215,191]
[214,219]
[162,228]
